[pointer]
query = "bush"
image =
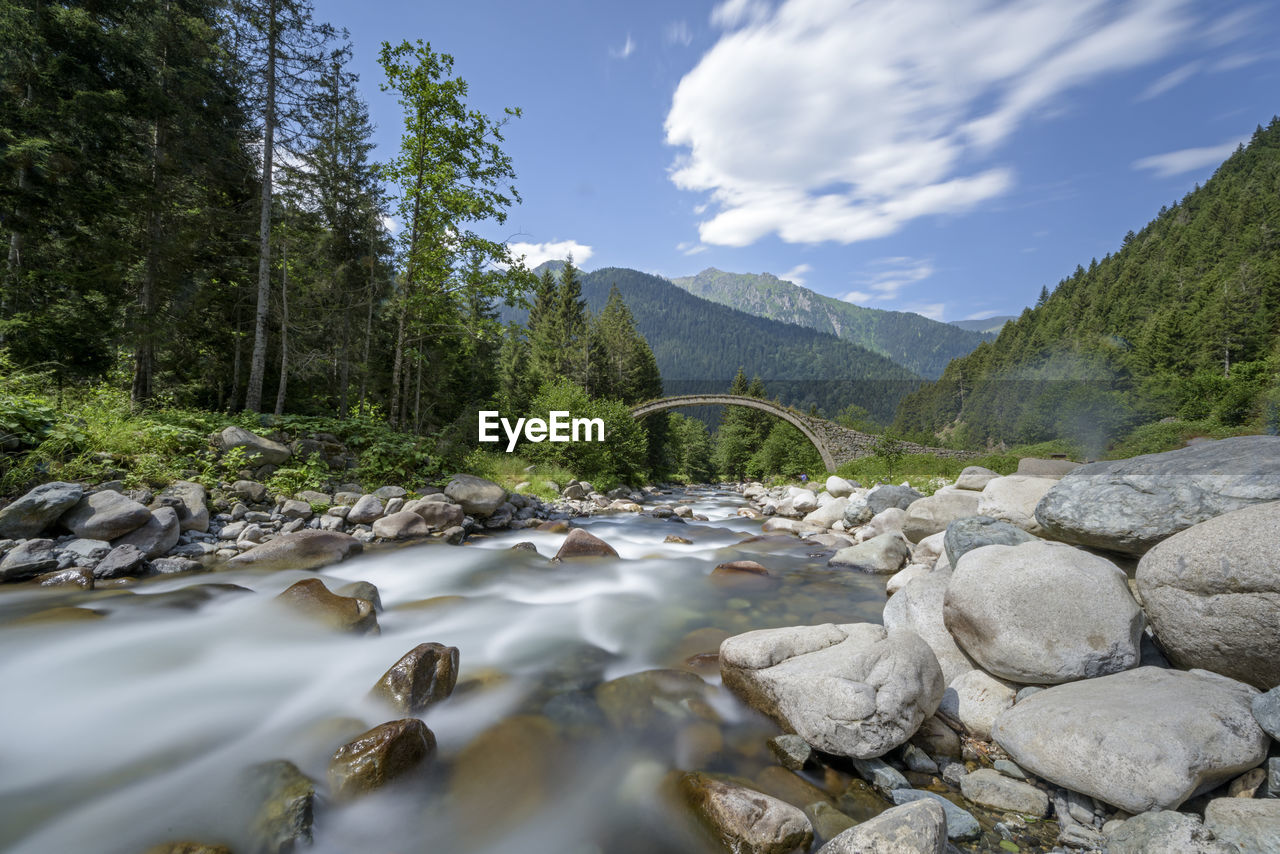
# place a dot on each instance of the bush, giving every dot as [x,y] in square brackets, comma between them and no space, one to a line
[620,458]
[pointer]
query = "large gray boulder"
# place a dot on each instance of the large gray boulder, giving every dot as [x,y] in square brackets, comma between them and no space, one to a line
[1014,499]
[1043,613]
[854,690]
[974,532]
[917,607]
[884,554]
[1140,740]
[258,450]
[1165,832]
[975,478]
[1053,468]
[188,501]
[437,514]
[405,525]
[930,515]
[27,560]
[838,487]
[1212,594]
[889,495]
[105,515]
[919,827]
[1130,505]
[478,497]
[158,536]
[306,549]
[1252,824]
[828,514]
[32,513]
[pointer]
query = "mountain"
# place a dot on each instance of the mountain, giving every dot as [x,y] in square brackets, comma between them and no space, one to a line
[988,325]
[699,346]
[924,346]
[1182,321]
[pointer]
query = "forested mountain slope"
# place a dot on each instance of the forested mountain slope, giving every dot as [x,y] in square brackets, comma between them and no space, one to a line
[924,346]
[1182,321]
[699,346]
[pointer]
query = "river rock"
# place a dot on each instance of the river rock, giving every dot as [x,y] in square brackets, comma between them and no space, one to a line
[423,676]
[1013,499]
[123,560]
[827,821]
[1130,505]
[86,552]
[105,515]
[899,579]
[648,698]
[853,690]
[974,532]
[960,823]
[1212,594]
[249,490]
[884,554]
[804,501]
[1043,613]
[930,515]
[377,757]
[918,607]
[582,543]
[1048,468]
[828,514]
[189,501]
[278,804]
[478,497]
[888,495]
[26,517]
[746,821]
[1266,710]
[292,508]
[502,777]
[386,493]
[437,514]
[365,510]
[157,536]
[1144,739]
[27,560]
[171,565]
[919,827]
[1164,832]
[838,487]
[401,526]
[888,521]
[993,790]
[313,600]
[857,512]
[791,750]
[307,549]
[976,699]
[187,846]
[975,478]
[258,449]
[1253,825]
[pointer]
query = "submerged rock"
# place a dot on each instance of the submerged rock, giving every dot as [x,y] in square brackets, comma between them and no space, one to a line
[375,758]
[307,549]
[278,804]
[744,820]
[423,676]
[312,599]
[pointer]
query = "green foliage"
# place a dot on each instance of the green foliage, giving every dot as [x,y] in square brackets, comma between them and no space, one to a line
[620,458]
[690,449]
[785,451]
[299,474]
[890,451]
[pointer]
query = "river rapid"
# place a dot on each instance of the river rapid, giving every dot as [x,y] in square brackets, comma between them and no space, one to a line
[135,729]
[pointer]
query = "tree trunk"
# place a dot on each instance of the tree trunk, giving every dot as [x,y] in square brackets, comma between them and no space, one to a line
[144,348]
[396,369]
[258,362]
[284,329]
[417,398]
[236,338]
[344,372]
[368,330]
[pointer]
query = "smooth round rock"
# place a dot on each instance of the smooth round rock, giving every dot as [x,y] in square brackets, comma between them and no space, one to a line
[307,549]
[746,821]
[888,495]
[974,532]
[105,515]
[30,514]
[1013,499]
[919,827]
[930,515]
[477,496]
[582,543]
[917,606]
[880,555]
[993,790]
[375,758]
[1164,832]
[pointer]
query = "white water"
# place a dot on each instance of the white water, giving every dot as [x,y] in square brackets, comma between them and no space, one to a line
[130,730]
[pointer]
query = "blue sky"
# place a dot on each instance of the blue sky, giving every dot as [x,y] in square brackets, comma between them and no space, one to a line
[948,157]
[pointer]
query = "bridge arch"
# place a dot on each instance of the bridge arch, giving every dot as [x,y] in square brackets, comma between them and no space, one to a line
[680,401]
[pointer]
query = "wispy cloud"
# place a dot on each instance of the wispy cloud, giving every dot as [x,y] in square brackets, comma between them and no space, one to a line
[1188,159]
[678,32]
[927,94]
[691,248]
[535,253]
[931,310]
[796,274]
[1172,80]
[628,48]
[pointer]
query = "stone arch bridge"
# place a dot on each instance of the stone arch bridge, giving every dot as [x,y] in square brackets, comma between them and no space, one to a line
[836,444]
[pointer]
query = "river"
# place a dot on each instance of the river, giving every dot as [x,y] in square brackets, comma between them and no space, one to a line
[123,732]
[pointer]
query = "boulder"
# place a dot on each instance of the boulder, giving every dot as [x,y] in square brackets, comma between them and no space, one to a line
[105,516]
[899,579]
[1043,613]
[26,517]
[1212,594]
[1054,469]
[386,493]
[744,820]
[888,520]
[888,495]
[258,450]
[423,676]
[121,561]
[1013,499]
[158,536]
[582,543]
[189,501]
[401,526]
[857,512]
[975,478]
[884,554]
[976,699]
[27,560]
[86,552]
[292,509]
[974,532]
[918,608]
[478,497]
[960,823]
[1266,711]
[313,600]
[377,757]
[307,549]
[1140,740]
[829,513]
[993,790]
[250,491]
[171,565]
[838,487]
[1253,825]
[437,514]
[1130,505]
[854,690]
[1164,832]
[366,509]
[804,501]
[930,515]
[919,827]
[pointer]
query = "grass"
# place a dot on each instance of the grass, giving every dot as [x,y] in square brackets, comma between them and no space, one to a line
[509,470]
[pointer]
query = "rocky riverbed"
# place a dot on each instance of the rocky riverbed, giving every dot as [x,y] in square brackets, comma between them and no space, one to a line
[1066,658]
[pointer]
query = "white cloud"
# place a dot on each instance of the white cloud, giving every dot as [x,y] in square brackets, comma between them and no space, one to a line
[1173,79]
[981,315]
[390,224]
[890,276]
[628,48]
[535,253]
[857,297]
[678,32]
[1188,159]
[796,274]
[932,310]
[924,94]
[690,248]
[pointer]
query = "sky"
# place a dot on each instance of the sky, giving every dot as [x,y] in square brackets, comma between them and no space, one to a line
[947,157]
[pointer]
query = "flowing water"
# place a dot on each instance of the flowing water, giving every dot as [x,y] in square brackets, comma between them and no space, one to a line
[122,732]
